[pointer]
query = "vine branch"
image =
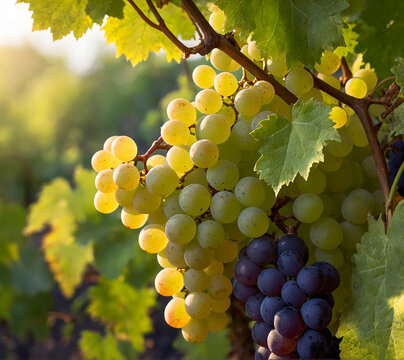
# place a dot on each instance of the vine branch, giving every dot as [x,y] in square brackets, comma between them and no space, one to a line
[346,71]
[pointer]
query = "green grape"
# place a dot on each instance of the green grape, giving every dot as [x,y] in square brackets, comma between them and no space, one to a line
[269,200]
[266,91]
[214,128]
[217,19]
[197,176]
[195,331]
[198,305]
[175,314]
[379,202]
[204,153]
[278,106]
[208,101]
[369,167]
[376,110]
[330,163]
[240,136]
[124,148]
[104,181]
[262,115]
[356,87]
[253,51]
[341,148]
[223,175]
[103,160]
[196,257]
[220,305]
[155,160]
[178,159]
[357,174]
[339,116]
[299,81]
[215,267]
[210,234]
[250,191]
[233,232]
[307,207]
[224,207]
[365,195]
[175,254]
[145,202]
[315,183]
[152,238]
[126,176]
[219,286]
[172,205]
[169,281]
[229,114]
[158,217]
[226,252]
[356,132]
[226,84]
[352,234]
[163,261]
[216,321]
[355,209]
[326,233]
[253,222]
[334,257]
[181,110]
[108,143]
[328,204]
[125,197]
[222,61]
[248,102]
[180,229]
[195,280]
[132,219]
[314,94]
[277,67]
[105,203]
[349,110]
[162,180]
[175,132]
[229,151]
[204,76]
[334,183]
[194,199]
[368,76]
[329,63]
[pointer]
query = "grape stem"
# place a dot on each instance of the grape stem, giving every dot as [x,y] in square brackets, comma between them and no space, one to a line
[346,71]
[394,186]
[381,83]
[157,145]
[279,219]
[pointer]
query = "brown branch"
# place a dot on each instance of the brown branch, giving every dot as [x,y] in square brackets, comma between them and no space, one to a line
[279,219]
[157,145]
[380,84]
[346,71]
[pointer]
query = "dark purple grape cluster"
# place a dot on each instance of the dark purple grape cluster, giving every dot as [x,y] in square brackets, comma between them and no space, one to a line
[291,304]
[395,159]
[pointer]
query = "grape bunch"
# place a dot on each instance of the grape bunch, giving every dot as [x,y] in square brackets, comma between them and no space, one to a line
[291,304]
[395,159]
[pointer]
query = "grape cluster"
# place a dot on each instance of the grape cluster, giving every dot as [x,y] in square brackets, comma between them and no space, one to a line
[395,159]
[291,304]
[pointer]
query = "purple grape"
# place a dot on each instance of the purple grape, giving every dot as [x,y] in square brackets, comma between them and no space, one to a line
[277,357]
[311,280]
[312,345]
[253,307]
[331,275]
[316,313]
[260,331]
[292,242]
[280,345]
[289,323]
[262,250]
[247,272]
[399,145]
[270,282]
[292,294]
[243,252]
[327,297]
[262,353]
[269,307]
[290,263]
[243,292]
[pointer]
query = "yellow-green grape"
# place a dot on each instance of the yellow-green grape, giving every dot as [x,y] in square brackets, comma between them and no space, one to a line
[155,160]
[315,183]
[222,61]
[341,148]
[253,222]
[326,233]
[330,163]
[356,208]
[329,63]
[175,254]
[220,305]
[299,81]
[152,238]
[278,106]
[226,84]
[191,140]
[356,87]
[162,180]
[163,261]
[175,132]
[104,159]
[313,93]
[228,113]
[307,207]
[369,167]
[197,176]
[124,197]
[352,234]
[196,257]
[108,142]
[375,109]
[266,90]
[204,76]
[210,234]
[339,116]
[172,205]
[215,267]
[194,199]
[229,151]
[169,281]
[145,202]
[356,132]
[335,257]
[180,229]
[126,176]
[219,286]
[124,148]
[175,314]
[253,51]
[104,181]
[181,110]
[226,252]
[105,203]
[240,136]
[217,321]
[349,110]
[198,305]
[334,82]
[233,232]
[223,175]
[178,159]
[216,20]
[158,217]
[208,101]
[269,200]
[368,76]
[195,280]
[132,219]
[248,102]
[250,191]
[224,207]
[277,67]
[195,331]
[204,153]
[214,128]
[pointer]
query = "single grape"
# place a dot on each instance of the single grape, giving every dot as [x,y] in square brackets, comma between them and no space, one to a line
[316,313]
[222,61]
[312,345]
[158,217]
[262,250]
[175,254]
[315,183]
[330,163]
[331,275]
[226,252]
[217,19]
[299,81]
[326,233]
[180,229]
[215,128]
[270,282]
[339,116]
[225,207]
[216,321]
[196,257]
[290,263]
[168,282]
[155,160]
[368,76]
[289,323]
[204,76]
[355,209]
[108,143]
[132,219]
[253,222]
[124,197]
[260,331]
[292,294]
[181,110]
[307,207]
[210,234]
[124,148]
[220,305]
[161,180]
[311,280]
[126,176]
[253,51]
[104,181]
[291,242]
[246,272]
[266,90]
[204,153]
[208,101]
[195,331]
[145,202]
[152,238]
[215,267]
[226,84]
[104,159]
[105,203]
[341,148]
[248,102]
[198,305]
[329,63]
[356,87]
[194,199]
[278,67]
[195,280]
[223,175]
[253,307]
[250,191]
[219,286]
[243,292]
[175,314]
[175,132]
[240,135]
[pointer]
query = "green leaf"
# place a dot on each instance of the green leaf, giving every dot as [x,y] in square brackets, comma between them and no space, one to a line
[135,39]
[350,38]
[95,346]
[373,324]
[301,29]
[97,9]
[123,309]
[392,126]
[398,71]
[292,147]
[62,17]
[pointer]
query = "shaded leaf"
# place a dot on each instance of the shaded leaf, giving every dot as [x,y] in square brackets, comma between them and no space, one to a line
[96,346]
[398,71]
[97,9]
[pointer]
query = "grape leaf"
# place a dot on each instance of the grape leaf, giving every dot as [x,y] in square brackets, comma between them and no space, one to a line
[372,326]
[292,147]
[350,38]
[97,9]
[62,17]
[135,39]
[96,346]
[302,29]
[398,71]
[392,126]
